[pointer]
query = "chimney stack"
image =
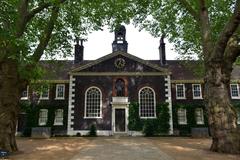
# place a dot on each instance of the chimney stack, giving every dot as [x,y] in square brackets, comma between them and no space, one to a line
[78,54]
[162,51]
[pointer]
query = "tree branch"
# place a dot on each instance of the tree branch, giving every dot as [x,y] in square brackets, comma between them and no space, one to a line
[227,33]
[36,10]
[205,29]
[190,9]
[21,22]
[232,50]
[46,35]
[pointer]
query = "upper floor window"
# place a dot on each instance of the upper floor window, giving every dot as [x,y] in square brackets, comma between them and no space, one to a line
[43,116]
[93,103]
[60,91]
[58,117]
[234,91]
[180,91]
[24,94]
[182,116]
[199,116]
[147,103]
[238,115]
[45,92]
[197,91]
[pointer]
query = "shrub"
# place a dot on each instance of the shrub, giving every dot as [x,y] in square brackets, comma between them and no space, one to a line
[93,132]
[149,128]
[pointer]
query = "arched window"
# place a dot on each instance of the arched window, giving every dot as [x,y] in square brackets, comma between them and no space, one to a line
[147,103]
[93,103]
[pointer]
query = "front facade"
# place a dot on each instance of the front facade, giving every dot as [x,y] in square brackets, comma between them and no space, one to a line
[82,93]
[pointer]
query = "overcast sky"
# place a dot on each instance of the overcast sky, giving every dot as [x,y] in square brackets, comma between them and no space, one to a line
[140,44]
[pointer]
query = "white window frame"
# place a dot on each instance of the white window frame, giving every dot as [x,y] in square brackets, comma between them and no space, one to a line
[85,102]
[185,116]
[184,90]
[200,87]
[55,120]
[202,117]
[40,123]
[44,98]
[139,102]
[234,97]
[26,98]
[238,115]
[60,98]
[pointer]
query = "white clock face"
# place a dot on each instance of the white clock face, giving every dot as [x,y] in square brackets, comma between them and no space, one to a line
[119,63]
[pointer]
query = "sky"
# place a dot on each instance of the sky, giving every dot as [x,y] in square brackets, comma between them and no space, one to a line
[140,44]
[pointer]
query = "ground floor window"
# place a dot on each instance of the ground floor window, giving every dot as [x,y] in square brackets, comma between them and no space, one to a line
[199,116]
[58,117]
[238,115]
[147,103]
[93,103]
[182,116]
[43,116]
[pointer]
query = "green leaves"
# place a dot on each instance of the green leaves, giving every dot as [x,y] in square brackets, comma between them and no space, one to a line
[76,18]
[172,18]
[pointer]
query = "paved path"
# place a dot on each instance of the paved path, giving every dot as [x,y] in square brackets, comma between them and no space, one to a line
[121,148]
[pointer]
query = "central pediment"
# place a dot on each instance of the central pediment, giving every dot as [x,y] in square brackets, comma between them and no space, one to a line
[120,63]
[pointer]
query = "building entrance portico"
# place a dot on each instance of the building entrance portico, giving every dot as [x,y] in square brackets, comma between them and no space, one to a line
[120,114]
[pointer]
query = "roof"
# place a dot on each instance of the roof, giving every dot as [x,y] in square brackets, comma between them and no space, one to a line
[180,69]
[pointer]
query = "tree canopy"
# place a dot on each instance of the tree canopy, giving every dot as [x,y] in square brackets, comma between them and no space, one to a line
[173,19]
[31,29]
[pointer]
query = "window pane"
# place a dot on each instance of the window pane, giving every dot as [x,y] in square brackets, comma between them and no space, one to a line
[180,91]
[234,90]
[58,117]
[44,93]
[196,90]
[60,91]
[182,119]
[93,103]
[199,116]
[147,103]
[43,116]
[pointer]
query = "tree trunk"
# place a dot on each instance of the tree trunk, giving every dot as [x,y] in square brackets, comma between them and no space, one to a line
[9,108]
[222,116]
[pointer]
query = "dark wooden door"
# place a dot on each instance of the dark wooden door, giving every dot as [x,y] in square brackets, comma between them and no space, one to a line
[120,120]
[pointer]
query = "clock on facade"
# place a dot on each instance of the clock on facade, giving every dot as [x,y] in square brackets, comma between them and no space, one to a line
[119,63]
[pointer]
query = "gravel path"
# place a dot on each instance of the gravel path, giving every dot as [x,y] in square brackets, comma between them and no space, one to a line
[115,148]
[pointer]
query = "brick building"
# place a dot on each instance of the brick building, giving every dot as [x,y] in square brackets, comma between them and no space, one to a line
[85,92]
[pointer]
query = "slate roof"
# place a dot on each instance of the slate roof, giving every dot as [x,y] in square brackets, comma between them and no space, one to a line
[180,70]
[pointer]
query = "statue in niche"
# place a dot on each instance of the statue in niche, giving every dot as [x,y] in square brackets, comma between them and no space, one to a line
[120,87]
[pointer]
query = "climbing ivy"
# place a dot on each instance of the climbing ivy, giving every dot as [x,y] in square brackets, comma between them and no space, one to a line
[150,127]
[32,116]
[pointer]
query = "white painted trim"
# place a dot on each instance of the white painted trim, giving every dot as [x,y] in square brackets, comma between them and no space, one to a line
[120,106]
[26,98]
[201,111]
[185,116]
[70,105]
[44,98]
[200,97]
[58,123]
[85,103]
[234,97]
[56,93]
[168,96]
[184,90]
[135,133]
[85,132]
[154,99]
[42,123]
